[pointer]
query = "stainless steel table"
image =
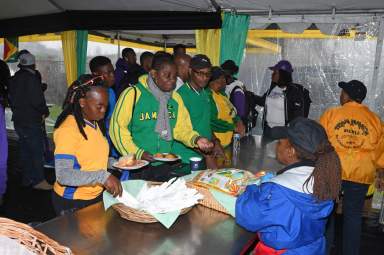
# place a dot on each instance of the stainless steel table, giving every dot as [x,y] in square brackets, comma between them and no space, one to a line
[201,231]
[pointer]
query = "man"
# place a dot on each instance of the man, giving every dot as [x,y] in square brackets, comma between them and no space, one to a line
[355,132]
[29,113]
[182,64]
[284,100]
[179,49]
[102,66]
[197,102]
[146,62]
[127,71]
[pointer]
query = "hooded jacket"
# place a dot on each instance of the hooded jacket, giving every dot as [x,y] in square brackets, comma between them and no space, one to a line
[287,218]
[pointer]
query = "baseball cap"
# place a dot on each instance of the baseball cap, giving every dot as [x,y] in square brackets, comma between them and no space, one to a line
[304,133]
[355,89]
[230,65]
[200,61]
[26,59]
[283,65]
[217,72]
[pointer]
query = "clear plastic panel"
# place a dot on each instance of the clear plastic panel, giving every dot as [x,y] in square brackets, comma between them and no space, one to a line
[319,64]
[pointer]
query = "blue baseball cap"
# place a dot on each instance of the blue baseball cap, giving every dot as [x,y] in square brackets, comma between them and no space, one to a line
[283,65]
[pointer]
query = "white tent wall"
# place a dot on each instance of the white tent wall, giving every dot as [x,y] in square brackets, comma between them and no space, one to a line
[319,64]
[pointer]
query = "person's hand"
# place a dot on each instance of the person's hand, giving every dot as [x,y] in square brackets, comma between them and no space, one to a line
[113,186]
[204,144]
[240,128]
[218,149]
[147,156]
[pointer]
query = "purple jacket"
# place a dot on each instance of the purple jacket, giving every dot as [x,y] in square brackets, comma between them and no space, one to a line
[126,74]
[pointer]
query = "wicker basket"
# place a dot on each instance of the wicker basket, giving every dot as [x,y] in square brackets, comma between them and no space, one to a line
[208,200]
[31,239]
[131,214]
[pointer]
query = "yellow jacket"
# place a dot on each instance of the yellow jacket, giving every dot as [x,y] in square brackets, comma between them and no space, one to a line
[356,133]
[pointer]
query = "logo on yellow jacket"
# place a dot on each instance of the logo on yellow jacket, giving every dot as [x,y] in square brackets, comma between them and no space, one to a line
[351,133]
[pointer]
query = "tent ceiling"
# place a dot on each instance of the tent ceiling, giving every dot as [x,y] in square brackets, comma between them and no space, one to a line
[20,17]
[22,8]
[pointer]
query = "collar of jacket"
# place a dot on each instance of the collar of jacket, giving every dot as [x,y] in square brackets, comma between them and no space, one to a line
[295,177]
[297,164]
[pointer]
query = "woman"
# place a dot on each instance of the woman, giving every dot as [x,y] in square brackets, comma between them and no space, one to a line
[81,149]
[283,101]
[5,74]
[289,213]
[150,116]
[224,119]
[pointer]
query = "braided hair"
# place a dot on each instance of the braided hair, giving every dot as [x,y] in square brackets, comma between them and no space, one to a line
[71,105]
[326,175]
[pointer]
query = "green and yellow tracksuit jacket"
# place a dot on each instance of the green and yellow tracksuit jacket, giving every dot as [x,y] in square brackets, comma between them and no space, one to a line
[198,105]
[223,117]
[135,132]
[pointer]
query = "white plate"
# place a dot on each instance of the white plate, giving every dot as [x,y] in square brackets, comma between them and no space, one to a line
[140,163]
[167,159]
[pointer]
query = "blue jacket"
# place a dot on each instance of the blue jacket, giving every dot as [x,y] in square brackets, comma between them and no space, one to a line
[285,216]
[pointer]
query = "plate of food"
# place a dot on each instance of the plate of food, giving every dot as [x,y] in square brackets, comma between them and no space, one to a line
[129,162]
[166,157]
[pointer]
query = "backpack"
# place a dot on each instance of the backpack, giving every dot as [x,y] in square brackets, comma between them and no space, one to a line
[250,107]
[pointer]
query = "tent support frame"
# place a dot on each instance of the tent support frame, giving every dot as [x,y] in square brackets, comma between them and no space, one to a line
[379,50]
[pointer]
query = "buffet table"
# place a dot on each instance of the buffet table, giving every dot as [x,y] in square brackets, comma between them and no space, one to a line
[201,231]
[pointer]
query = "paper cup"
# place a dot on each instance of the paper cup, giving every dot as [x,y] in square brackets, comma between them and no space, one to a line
[195,163]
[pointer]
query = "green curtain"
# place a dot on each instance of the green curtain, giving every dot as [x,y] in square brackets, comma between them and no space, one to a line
[233,37]
[81,50]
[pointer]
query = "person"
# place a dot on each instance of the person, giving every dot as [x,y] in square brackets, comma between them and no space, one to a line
[197,102]
[356,133]
[102,66]
[48,154]
[81,149]
[289,212]
[28,115]
[182,64]
[224,118]
[283,101]
[5,74]
[234,88]
[146,62]
[127,71]
[179,49]
[150,116]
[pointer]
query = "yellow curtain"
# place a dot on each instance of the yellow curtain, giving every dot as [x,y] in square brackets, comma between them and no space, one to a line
[68,39]
[208,43]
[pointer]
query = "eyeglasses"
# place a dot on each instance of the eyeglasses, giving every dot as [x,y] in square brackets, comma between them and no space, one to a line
[201,73]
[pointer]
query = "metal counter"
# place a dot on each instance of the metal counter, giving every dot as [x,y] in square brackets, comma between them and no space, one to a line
[201,231]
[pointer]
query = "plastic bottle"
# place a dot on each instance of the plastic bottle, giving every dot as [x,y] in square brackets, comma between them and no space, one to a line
[236,143]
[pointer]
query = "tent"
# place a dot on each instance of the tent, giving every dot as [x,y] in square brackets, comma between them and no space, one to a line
[326,40]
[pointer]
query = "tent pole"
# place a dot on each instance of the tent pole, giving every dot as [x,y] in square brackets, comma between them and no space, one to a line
[376,67]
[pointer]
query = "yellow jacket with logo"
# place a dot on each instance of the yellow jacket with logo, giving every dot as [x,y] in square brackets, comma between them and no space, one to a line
[356,133]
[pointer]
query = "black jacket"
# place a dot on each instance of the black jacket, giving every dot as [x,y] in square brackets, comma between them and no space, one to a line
[27,99]
[297,101]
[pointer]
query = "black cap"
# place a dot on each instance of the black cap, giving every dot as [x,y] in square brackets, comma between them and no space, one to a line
[230,66]
[217,72]
[355,89]
[200,61]
[305,133]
